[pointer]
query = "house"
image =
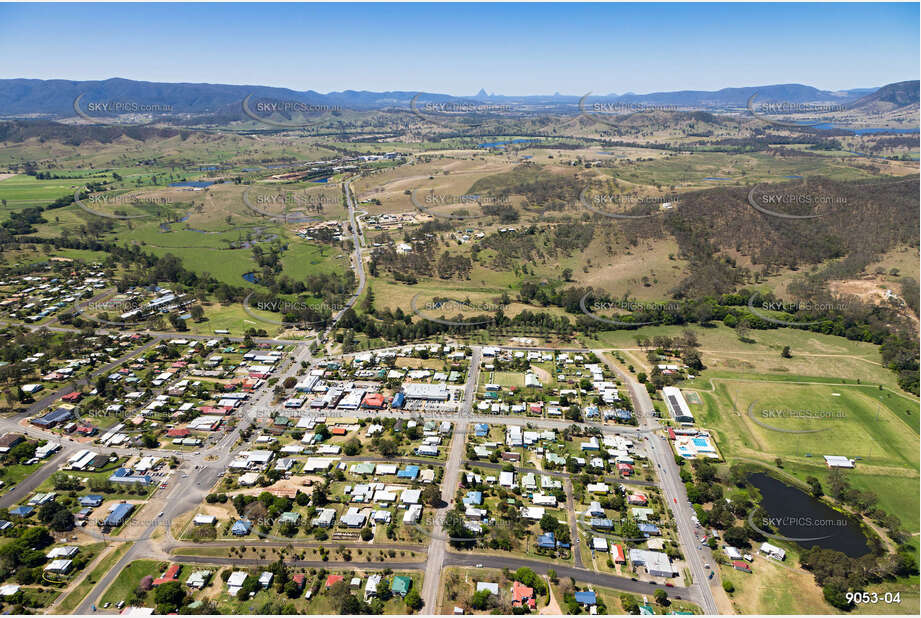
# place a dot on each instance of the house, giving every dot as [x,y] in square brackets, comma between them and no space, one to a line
[740,565]
[413,514]
[523,596]
[401,585]
[586,597]
[332,580]
[492,587]
[617,554]
[546,541]
[838,461]
[371,585]
[732,553]
[324,519]
[61,566]
[532,512]
[656,563]
[170,575]
[772,551]
[601,523]
[599,544]
[21,511]
[265,579]
[198,579]
[9,440]
[241,527]
[354,518]
[62,552]
[235,582]
[92,500]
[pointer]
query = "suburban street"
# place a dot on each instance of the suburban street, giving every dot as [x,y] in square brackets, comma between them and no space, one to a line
[672,488]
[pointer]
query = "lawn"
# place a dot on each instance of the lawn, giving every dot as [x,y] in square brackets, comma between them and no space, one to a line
[122,589]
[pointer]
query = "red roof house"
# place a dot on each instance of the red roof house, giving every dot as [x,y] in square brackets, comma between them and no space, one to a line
[741,566]
[332,579]
[178,432]
[169,575]
[73,397]
[523,595]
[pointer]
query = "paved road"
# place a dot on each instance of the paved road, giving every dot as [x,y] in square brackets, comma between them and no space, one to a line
[580,575]
[320,564]
[31,482]
[431,584]
[575,538]
[660,453]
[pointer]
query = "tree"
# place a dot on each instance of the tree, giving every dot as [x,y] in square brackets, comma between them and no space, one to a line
[480,600]
[548,523]
[169,595]
[742,329]
[661,596]
[728,587]
[629,603]
[786,353]
[352,447]
[413,600]
[366,534]
[815,487]
[197,312]
[431,495]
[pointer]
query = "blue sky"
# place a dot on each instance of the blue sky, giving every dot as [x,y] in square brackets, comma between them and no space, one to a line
[460,48]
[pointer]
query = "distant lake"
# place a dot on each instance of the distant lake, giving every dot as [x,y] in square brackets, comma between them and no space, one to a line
[800,516]
[251,277]
[502,144]
[198,184]
[716,178]
[827,126]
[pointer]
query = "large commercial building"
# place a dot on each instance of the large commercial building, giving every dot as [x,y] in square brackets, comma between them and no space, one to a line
[677,406]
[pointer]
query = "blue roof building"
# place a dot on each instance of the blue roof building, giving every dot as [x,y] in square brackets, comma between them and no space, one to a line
[21,511]
[648,529]
[409,472]
[124,475]
[473,498]
[624,415]
[586,597]
[118,515]
[481,430]
[546,541]
[241,527]
[602,523]
[90,500]
[53,418]
[398,400]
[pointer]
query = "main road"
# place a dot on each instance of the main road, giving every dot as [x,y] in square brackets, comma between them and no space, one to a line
[431,584]
[695,555]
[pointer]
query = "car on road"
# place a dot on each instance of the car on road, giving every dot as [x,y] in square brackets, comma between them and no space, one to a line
[669,585]
[479,565]
[106,605]
[161,514]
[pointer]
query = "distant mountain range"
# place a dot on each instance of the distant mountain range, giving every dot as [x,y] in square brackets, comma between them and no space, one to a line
[56,97]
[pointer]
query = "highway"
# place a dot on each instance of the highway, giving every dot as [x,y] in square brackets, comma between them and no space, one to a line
[431,584]
[672,488]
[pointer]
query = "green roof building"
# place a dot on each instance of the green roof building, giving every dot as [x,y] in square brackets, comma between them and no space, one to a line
[401,585]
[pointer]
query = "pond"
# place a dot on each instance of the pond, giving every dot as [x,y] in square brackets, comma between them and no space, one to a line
[805,520]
